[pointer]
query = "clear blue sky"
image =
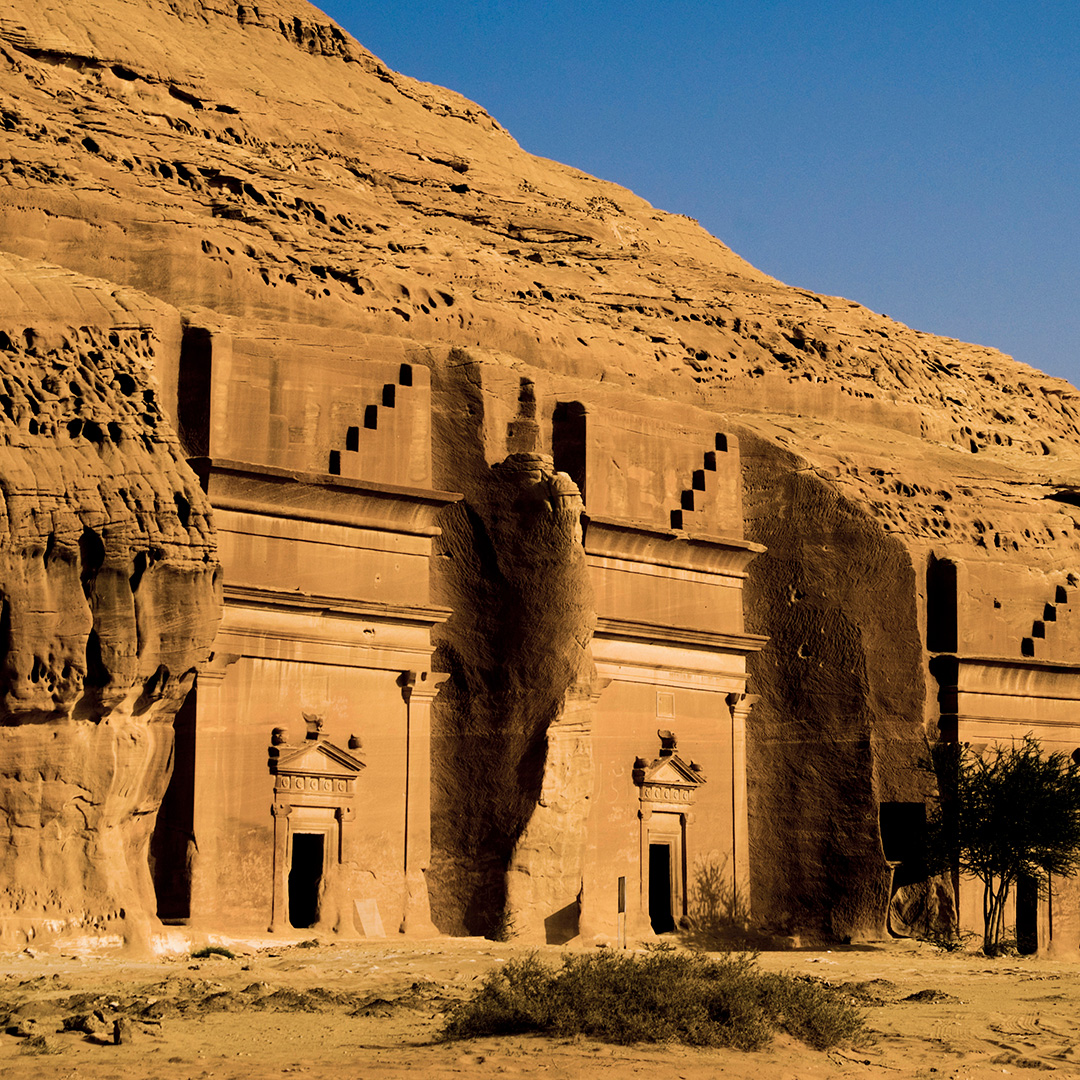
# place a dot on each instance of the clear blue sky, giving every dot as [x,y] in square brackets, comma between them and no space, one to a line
[920,157]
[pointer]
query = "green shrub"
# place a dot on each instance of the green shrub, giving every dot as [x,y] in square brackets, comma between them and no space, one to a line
[213,950]
[656,997]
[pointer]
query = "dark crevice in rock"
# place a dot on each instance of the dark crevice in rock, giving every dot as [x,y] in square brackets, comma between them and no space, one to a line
[91,558]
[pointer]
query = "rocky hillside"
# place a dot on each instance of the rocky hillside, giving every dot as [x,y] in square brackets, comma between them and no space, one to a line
[253,169]
[257,161]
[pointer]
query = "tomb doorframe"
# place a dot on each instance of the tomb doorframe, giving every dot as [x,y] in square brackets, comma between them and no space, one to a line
[314,792]
[667,789]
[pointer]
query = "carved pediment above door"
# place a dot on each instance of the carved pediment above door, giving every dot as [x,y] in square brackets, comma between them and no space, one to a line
[668,779]
[318,773]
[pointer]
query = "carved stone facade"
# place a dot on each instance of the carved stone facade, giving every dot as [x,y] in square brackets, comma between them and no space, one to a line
[328,611]
[330,582]
[671,646]
[1004,661]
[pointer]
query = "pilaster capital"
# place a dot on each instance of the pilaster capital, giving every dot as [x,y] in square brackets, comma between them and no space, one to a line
[215,667]
[599,684]
[421,686]
[740,704]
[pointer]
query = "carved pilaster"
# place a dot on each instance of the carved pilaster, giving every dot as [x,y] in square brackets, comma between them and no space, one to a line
[740,705]
[419,689]
[209,782]
[278,906]
[641,916]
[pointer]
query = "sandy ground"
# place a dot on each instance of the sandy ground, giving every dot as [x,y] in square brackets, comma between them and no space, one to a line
[371,1010]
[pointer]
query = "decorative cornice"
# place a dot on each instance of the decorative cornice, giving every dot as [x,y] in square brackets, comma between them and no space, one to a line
[657,633]
[667,780]
[321,759]
[1025,662]
[1014,723]
[1019,677]
[635,541]
[246,488]
[310,604]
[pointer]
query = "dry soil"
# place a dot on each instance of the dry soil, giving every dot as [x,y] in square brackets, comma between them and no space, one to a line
[372,1010]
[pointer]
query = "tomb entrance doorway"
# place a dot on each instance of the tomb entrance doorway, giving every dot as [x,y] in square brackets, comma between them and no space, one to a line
[667,789]
[305,878]
[314,789]
[664,890]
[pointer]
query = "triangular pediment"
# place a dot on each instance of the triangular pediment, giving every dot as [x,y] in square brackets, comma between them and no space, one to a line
[671,770]
[321,758]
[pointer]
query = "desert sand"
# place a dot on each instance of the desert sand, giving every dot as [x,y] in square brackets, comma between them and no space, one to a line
[373,1010]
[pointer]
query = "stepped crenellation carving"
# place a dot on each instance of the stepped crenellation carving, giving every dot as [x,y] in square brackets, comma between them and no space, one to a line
[1044,641]
[347,461]
[702,485]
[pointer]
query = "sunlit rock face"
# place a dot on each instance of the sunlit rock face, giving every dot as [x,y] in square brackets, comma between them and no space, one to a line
[107,577]
[258,199]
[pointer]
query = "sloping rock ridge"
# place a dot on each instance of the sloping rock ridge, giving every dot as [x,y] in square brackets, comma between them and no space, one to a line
[177,171]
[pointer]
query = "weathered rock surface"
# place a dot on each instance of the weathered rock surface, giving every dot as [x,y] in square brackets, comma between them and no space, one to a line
[107,578]
[513,761]
[259,172]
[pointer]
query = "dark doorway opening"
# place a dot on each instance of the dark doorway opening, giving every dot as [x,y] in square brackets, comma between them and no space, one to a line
[1027,915]
[903,840]
[193,390]
[568,441]
[660,913]
[305,876]
[941,619]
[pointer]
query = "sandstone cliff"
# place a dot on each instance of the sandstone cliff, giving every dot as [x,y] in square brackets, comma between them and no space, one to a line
[258,173]
[109,601]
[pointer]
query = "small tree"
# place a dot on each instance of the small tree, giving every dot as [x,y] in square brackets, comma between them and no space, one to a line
[1013,812]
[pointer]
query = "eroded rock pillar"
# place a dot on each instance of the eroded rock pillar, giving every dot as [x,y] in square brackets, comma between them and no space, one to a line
[544,899]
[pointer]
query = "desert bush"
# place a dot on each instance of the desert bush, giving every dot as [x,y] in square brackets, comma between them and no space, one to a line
[213,950]
[661,996]
[40,1044]
[950,939]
